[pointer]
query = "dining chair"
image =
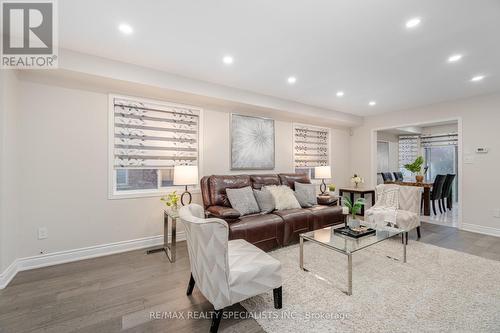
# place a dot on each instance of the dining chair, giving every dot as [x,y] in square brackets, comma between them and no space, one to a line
[387,177]
[398,176]
[447,193]
[437,190]
[226,271]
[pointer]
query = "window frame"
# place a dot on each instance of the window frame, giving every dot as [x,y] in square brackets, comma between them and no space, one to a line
[159,191]
[329,146]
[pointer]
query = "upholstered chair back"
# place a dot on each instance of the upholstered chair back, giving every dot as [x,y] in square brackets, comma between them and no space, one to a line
[207,241]
[409,197]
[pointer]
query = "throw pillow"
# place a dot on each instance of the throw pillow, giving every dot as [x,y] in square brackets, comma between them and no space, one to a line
[308,192]
[243,200]
[265,200]
[283,197]
[302,199]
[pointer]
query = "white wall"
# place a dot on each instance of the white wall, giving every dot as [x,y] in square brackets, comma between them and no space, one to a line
[8,169]
[480,120]
[62,170]
[393,141]
[440,129]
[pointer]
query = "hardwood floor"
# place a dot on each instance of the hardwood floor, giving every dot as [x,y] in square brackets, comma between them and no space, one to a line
[119,293]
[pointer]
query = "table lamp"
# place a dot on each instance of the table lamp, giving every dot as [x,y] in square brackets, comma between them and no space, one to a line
[323,172]
[186,175]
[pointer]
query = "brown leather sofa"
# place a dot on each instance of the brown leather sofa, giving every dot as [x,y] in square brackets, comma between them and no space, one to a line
[266,231]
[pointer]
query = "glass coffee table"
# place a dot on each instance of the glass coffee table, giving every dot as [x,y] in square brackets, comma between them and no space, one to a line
[346,245]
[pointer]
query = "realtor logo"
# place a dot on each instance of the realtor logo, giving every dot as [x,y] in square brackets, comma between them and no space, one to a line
[29,35]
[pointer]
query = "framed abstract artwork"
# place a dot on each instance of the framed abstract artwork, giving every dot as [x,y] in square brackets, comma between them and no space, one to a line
[252,143]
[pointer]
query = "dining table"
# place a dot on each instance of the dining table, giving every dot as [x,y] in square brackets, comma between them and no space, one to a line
[426,195]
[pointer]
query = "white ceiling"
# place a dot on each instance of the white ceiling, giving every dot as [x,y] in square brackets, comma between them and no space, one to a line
[358,46]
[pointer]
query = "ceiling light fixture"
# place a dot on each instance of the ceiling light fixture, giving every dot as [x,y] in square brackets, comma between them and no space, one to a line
[292,80]
[340,93]
[228,60]
[125,28]
[413,23]
[455,58]
[372,103]
[477,78]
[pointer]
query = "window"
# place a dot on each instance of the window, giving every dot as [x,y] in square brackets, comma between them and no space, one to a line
[147,139]
[409,150]
[311,148]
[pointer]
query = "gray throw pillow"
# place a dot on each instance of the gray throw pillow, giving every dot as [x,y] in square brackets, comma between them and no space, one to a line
[265,200]
[301,198]
[243,200]
[308,192]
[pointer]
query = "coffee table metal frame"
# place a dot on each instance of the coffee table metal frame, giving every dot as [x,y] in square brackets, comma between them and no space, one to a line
[305,236]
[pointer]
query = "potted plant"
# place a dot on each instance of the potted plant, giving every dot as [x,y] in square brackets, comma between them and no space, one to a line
[416,168]
[172,202]
[331,189]
[354,207]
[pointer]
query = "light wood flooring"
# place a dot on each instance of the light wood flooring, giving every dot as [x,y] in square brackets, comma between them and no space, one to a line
[118,293]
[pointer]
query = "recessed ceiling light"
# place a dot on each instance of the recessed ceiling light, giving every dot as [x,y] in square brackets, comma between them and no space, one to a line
[477,78]
[228,60]
[372,103]
[125,28]
[292,80]
[413,23]
[340,93]
[455,57]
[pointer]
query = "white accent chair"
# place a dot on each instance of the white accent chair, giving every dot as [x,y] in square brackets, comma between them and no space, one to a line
[226,272]
[403,211]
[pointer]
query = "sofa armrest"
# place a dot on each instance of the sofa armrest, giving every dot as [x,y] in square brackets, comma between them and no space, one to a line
[223,212]
[327,200]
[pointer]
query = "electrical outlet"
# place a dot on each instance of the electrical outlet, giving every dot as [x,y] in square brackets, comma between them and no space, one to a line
[496,213]
[43,233]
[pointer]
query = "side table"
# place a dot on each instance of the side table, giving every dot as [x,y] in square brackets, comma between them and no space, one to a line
[361,191]
[168,248]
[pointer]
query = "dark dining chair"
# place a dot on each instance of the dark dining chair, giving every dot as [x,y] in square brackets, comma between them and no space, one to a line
[398,176]
[447,193]
[437,190]
[387,177]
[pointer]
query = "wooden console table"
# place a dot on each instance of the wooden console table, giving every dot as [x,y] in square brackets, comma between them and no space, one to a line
[361,191]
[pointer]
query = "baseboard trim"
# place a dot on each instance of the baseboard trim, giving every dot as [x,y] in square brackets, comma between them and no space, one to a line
[481,229]
[7,275]
[56,258]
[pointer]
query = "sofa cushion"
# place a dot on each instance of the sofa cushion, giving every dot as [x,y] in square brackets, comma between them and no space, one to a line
[325,216]
[296,221]
[289,179]
[264,231]
[218,185]
[308,192]
[302,199]
[265,200]
[283,197]
[243,200]
[259,181]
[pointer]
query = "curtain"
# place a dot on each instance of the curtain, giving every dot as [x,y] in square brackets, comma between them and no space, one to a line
[148,136]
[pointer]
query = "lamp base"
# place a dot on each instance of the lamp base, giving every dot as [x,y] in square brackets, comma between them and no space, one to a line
[322,187]
[186,192]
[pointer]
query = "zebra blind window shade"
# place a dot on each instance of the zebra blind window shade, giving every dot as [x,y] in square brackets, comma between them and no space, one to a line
[450,139]
[311,146]
[409,150]
[154,136]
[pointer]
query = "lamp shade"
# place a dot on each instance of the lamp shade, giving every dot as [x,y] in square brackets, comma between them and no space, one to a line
[185,175]
[322,172]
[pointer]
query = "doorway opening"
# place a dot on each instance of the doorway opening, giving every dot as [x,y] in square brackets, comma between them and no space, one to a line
[439,144]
